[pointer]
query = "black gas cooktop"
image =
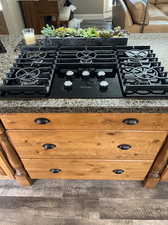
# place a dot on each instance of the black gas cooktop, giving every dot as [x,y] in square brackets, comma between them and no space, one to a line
[85,72]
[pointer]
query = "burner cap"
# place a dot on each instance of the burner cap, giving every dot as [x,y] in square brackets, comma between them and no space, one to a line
[67,84]
[85,73]
[104,84]
[69,73]
[101,73]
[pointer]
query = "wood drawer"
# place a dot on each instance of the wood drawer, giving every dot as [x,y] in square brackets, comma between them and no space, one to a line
[87,144]
[87,169]
[87,121]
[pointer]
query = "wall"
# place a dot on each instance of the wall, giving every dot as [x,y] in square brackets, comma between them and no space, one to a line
[12,15]
[88,6]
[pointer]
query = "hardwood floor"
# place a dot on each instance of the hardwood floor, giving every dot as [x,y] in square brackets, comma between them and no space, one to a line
[100,24]
[76,202]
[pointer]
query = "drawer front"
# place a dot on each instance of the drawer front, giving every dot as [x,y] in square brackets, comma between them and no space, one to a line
[87,169]
[88,121]
[87,144]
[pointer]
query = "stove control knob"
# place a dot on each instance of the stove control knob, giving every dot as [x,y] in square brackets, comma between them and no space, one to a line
[101,74]
[104,84]
[67,84]
[86,73]
[69,73]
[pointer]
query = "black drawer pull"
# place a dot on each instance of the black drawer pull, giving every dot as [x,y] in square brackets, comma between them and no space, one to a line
[118,171]
[42,120]
[124,147]
[49,146]
[131,121]
[55,170]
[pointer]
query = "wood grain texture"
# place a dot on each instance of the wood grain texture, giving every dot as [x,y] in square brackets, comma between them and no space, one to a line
[87,121]
[6,171]
[2,172]
[84,188]
[87,144]
[86,169]
[164,176]
[79,202]
[160,163]
[13,158]
[80,208]
[35,11]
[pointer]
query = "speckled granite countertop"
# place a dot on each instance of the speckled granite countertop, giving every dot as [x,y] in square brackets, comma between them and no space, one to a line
[158,42]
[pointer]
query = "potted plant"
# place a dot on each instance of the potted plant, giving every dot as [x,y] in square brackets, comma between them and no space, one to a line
[82,37]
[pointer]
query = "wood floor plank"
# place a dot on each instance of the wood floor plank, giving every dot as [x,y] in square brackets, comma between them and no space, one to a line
[90,208]
[143,209]
[77,202]
[35,220]
[96,189]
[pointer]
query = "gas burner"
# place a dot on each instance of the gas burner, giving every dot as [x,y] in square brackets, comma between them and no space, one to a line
[28,76]
[37,56]
[86,56]
[85,72]
[142,73]
[136,54]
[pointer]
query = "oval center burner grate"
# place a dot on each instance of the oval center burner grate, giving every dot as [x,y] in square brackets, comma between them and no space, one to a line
[28,76]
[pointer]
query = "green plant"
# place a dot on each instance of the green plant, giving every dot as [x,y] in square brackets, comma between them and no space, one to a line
[91,32]
[49,31]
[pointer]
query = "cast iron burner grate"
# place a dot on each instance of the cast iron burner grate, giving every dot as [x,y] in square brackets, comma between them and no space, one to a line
[140,72]
[32,74]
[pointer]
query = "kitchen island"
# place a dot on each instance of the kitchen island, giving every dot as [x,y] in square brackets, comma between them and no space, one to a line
[85,138]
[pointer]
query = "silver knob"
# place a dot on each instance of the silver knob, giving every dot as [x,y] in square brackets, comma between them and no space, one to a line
[86,73]
[101,73]
[67,84]
[104,84]
[69,73]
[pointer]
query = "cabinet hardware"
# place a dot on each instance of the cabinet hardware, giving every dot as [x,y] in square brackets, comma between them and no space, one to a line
[131,121]
[124,147]
[118,171]
[55,170]
[42,120]
[49,146]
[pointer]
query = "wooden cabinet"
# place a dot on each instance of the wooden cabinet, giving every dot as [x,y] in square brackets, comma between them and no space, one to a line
[110,146]
[6,171]
[35,13]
